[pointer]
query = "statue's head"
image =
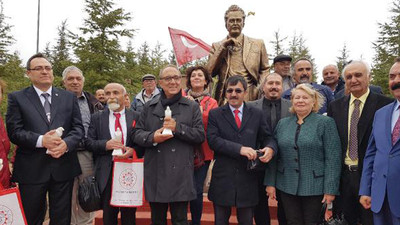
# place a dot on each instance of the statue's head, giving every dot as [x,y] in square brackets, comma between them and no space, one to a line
[234,20]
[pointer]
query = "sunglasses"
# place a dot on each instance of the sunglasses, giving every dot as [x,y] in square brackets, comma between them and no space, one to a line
[237,90]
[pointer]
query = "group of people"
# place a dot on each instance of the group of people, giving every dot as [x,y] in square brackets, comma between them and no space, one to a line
[267,135]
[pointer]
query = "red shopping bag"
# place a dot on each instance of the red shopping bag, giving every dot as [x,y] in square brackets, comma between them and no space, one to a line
[11,211]
[127,183]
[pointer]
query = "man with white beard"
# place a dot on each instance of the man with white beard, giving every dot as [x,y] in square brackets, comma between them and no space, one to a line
[101,141]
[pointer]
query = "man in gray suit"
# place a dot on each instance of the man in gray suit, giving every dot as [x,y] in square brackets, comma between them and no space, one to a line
[274,108]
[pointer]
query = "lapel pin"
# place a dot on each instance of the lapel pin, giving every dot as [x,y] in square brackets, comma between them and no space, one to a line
[56,94]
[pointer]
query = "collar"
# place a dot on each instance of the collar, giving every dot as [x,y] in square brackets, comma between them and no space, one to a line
[122,112]
[363,97]
[40,92]
[240,108]
[83,96]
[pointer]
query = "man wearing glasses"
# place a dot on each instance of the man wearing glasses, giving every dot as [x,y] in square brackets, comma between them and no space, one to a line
[45,163]
[168,160]
[234,132]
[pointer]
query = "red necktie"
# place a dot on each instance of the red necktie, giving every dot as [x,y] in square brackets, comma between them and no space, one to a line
[118,125]
[237,119]
[396,131]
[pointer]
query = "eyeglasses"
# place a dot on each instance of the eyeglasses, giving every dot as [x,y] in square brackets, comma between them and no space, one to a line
[237,90]
[41,68]
[169,79]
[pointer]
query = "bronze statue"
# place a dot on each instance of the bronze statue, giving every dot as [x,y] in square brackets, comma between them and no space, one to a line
[237,54]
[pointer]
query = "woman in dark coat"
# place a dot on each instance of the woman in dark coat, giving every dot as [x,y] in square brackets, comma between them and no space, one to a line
[168,158]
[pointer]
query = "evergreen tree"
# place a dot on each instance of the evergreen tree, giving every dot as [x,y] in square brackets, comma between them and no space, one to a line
[60,53]
[98,48]
[278,44]
[298,49]
[343,59]
[387,47]
[6,39]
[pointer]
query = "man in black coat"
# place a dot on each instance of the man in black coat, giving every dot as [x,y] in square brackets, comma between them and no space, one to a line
[45,163]
[234,131]
[101,141]
[354,115]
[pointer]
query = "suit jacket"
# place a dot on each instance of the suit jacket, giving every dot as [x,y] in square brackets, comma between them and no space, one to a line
[255,61]
[310,166]
[285,105]
[98,135]
[339,111]
[26,121]
[381,172]
[231,183]
[372,88]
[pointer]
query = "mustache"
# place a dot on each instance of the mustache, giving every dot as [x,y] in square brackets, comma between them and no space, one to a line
[395,86]
[233,98]
[113,101]
[274,89]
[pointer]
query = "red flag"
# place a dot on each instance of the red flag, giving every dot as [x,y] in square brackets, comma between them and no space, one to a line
[186,47]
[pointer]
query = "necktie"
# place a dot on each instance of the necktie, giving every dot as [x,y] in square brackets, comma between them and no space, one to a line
[396,131]
[237,119]
[273,116]
[46,105]
[118,125]
[353,139]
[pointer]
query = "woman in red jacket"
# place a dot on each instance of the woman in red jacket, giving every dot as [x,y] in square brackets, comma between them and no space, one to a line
[4,147]
[197,81]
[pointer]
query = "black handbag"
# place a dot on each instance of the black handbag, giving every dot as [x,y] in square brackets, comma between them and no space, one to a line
[89,194]
[335,220]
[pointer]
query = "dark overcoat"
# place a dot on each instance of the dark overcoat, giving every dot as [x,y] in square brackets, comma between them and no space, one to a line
[168,166]
[231,183]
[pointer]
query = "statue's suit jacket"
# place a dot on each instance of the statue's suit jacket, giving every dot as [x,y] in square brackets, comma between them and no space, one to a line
[255,60]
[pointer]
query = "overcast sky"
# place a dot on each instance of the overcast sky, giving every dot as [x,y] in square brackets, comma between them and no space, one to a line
[326,25]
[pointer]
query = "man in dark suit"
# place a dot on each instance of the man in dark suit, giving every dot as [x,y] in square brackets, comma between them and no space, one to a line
[353,115]
[274,108]
[45,163]
[235,130]
[101,141]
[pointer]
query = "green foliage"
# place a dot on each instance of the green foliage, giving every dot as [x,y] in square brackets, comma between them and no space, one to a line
[6,39]
[278,44]
[343,59]
[98,50]
[298,49]
[387,47]
[60,53]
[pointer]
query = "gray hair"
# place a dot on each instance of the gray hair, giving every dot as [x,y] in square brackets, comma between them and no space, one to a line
[331,65]
[366,66]
[71,69]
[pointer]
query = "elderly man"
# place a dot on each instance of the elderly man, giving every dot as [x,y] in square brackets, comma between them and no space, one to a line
[282,67]
[379,188]
[101,96]
[237,54]
[74,80]
[101,141]
[332,78]
[274,108]
[353,115]
[303,72]
[168,160]
[44,163]
[148,92]
[237,133]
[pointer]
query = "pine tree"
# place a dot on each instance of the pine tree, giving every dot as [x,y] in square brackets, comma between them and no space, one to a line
[6,39]
[60,53]
[278,43]
[343,59]
[387,47]
[298,49]
[98,48]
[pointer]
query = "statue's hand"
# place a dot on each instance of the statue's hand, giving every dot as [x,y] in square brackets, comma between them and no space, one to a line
[229,42]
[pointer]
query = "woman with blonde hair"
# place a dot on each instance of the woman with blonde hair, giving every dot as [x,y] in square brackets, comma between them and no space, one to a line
[307,167]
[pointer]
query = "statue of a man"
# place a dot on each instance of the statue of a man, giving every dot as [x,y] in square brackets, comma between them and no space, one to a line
[237,54]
